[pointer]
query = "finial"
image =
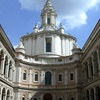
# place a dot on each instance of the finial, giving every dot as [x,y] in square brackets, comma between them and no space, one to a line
[36,25]
[61,25]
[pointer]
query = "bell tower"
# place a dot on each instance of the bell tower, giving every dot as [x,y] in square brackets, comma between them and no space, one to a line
[48,15]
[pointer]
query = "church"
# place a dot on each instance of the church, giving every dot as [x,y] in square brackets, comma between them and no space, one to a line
[48,63]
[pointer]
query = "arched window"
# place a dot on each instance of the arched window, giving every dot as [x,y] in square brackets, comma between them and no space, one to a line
[97,93]
[91,66]
[35,76]
[5,65]
[8,95]
[87,74]
[92,94]
[95,58]
[48,97]
[24,75]
[3,94]
[23,97]
[1,58]
[48,78]
[87,95]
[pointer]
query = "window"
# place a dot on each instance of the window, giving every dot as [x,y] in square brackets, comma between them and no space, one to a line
[71,76]
[35,98]
[36,76]
[48,21]
[48,44]
[72,98]
[60,77]
[24,75]
[60,98]
[23,97]
[48,78]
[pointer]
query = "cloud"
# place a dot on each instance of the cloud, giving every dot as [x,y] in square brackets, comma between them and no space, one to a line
[71,13]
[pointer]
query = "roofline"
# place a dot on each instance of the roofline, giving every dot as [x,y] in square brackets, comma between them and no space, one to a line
[92,33]
[7,40]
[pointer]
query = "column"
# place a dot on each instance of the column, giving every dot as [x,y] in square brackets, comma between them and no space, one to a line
[0,92]
[7,69]
[29,96]
[41,97]
[11,73]
[54,97]
[4,97]
[54,78]
[30,76]
[66,81]
[42,77]
[94,93]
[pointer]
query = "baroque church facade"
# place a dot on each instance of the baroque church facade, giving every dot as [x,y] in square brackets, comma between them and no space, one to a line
[49,65]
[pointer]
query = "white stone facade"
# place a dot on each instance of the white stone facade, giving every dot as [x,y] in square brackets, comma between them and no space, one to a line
[49,65]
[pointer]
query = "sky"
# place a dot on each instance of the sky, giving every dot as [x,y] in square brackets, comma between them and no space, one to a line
[78,17]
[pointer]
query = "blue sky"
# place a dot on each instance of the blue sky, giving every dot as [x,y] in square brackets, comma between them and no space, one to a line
[18,17]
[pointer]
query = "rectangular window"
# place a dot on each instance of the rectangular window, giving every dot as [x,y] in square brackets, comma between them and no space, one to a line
[48,21]
[60,77]
[36,76]
[24,75]
[48,44]
[35,98]
[72,98]
[60,98]
[71,76]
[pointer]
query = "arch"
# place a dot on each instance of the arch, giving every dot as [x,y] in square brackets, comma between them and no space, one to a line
[23,97]
[95,59]
[1,58]
[92,94]
[47,97]
[3,94]
[5,65]
[97,93]
[8,95]
[48,78]
[86,66]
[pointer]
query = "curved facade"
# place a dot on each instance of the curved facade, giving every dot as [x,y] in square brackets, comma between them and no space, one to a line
[49,65]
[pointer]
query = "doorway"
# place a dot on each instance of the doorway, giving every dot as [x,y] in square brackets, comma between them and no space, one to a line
[47,96]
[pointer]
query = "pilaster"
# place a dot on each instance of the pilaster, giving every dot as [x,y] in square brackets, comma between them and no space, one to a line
[98,56]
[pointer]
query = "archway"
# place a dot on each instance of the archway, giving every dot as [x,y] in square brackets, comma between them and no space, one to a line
[47,96]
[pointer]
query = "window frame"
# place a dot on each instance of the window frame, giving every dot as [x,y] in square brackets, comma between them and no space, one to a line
[24,75]
[71,76]
[59,77]
[36,73]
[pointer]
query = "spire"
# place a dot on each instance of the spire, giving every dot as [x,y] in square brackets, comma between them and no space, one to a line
[48,15]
